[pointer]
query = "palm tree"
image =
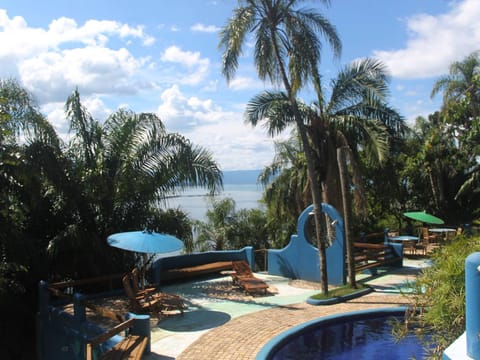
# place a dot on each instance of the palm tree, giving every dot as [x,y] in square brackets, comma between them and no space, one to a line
[121,171]
[287,51]
[358,115]
[19,115]
[354,118]
[216,233]
[462,82]
[461,104]
[287,190]
[22,252]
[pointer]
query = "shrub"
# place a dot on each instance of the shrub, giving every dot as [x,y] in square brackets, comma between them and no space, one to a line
[438,296]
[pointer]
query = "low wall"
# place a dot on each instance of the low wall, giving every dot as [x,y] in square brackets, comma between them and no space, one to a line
[299,259]
[195,259]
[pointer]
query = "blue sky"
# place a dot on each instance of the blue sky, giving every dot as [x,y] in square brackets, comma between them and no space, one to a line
[162,56]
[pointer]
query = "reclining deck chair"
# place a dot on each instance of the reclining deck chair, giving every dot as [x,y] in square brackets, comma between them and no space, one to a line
[137,289]
[151,302]
[244,277]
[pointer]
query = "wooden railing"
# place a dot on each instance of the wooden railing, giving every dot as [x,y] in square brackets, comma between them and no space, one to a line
[369,256]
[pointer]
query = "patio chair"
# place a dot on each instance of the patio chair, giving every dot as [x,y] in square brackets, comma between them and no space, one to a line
[131,347]
[430,240]
[244,277]
[420,246]
[139,290]
[149,302]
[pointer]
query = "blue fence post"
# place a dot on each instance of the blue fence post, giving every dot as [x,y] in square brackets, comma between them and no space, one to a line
[468,230]
[472,311]
[141,327]
[43,298]
[385,235]
[79,311]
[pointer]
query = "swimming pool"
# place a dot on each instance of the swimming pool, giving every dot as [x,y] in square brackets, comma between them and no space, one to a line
[356,335]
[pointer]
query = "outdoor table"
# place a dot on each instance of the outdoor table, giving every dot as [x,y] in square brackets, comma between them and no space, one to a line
[408,241]
[442,231]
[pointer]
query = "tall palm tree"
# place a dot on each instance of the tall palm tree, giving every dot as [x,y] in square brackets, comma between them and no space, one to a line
[461,104]
[354,118]
[462,82]
[287,51]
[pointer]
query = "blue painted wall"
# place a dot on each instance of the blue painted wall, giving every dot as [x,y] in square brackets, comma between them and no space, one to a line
[299,259]
[194,259]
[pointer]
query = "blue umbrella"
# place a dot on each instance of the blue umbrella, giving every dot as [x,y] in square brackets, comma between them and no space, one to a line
[147,242]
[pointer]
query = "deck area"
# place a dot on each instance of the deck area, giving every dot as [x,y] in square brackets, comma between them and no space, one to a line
[224,323]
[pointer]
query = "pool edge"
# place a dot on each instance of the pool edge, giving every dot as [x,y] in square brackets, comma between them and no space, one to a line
[268,349]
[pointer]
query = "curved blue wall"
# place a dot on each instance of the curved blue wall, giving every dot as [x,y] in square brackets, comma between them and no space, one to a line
[299,259]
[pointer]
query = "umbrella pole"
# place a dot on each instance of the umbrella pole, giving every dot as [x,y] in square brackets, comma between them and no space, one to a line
[144,270]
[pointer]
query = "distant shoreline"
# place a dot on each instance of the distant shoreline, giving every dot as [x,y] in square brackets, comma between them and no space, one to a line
[195,202]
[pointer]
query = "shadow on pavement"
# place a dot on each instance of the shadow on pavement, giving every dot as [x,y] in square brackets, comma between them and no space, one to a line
[194,321]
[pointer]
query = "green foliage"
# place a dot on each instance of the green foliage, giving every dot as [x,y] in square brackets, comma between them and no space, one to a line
[438,295]
[59,202]
[227,228]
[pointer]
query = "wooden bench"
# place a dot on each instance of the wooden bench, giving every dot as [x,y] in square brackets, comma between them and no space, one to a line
[368,256]
[131,347]
[197,270]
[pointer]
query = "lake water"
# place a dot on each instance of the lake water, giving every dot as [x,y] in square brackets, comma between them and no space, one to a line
[196,202]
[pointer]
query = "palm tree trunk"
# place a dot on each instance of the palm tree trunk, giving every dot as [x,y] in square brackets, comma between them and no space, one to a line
[346,217]
[433,187]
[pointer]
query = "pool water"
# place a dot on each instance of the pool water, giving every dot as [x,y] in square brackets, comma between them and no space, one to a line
[358,337]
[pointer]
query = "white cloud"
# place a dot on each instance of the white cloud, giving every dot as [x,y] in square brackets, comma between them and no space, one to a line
[211,86]
[243,83]
[204,28]
[51,62]
[181,113]
[234,144]
[92,69]
[198,67]
[435,42]
[18,38]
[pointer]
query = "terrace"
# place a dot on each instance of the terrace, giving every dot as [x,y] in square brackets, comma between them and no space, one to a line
[220,317]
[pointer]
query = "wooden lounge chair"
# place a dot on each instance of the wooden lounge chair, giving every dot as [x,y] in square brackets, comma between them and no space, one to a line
[244,277]
[137,289]
[132,347]
[150,302]
[241,270]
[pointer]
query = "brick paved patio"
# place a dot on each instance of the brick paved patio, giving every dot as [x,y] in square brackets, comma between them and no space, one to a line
[243,337]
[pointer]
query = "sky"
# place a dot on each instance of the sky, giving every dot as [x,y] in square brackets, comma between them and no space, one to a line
[163,57]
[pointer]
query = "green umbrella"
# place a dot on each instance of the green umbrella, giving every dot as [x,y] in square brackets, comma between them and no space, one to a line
[422,216]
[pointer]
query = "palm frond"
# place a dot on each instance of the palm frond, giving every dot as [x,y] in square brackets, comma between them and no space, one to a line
[232,37]
[273,108]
